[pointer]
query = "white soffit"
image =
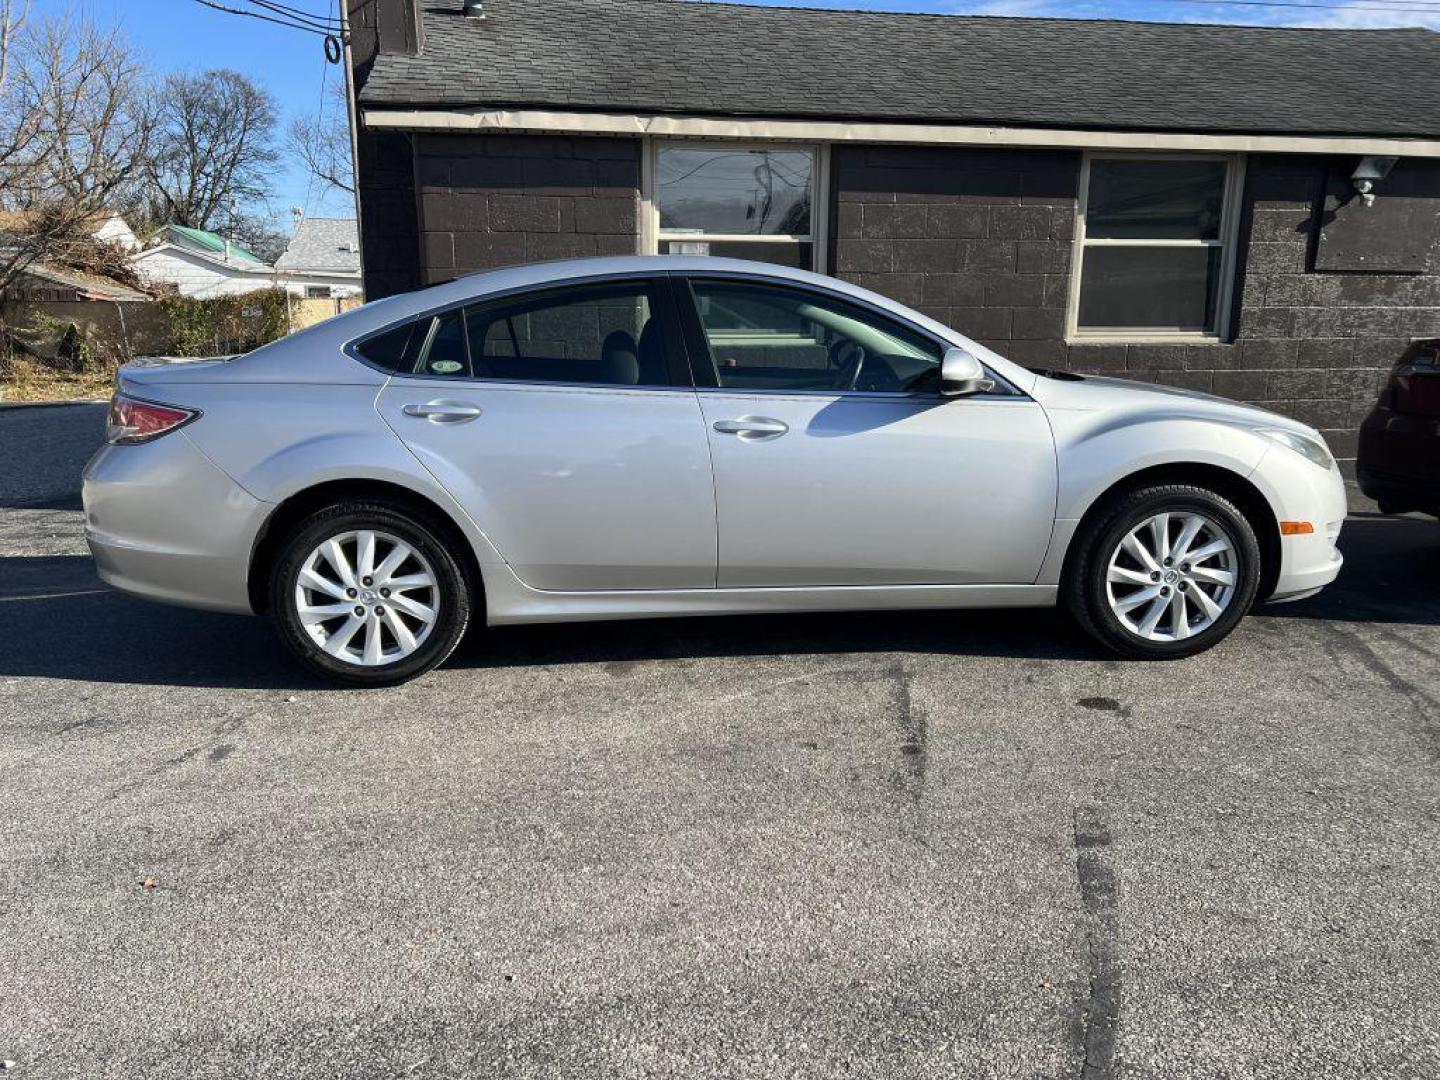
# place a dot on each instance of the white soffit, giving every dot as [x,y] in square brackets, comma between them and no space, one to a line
[584,123]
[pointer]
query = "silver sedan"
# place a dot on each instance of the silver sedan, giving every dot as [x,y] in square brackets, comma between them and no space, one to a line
[637,437]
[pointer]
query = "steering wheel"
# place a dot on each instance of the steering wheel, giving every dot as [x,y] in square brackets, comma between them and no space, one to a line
[848,358]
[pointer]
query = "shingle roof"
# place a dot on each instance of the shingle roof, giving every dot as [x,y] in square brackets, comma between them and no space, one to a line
[324,244]
[91,286]
[678,56]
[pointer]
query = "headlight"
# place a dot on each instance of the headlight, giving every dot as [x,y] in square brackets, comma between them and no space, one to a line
[1312,450]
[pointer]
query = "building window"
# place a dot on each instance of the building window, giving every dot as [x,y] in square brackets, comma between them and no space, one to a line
[1154,247]
[741,201]
[317,292]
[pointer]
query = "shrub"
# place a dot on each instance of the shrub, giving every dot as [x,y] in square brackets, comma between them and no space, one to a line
[226,324]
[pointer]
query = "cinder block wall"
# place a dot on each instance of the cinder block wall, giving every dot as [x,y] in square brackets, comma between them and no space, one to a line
[388,229]
[979,239]
[982,241]
[486,201]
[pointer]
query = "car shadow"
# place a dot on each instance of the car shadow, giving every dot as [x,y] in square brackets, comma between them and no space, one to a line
[1391,574]
[58,620]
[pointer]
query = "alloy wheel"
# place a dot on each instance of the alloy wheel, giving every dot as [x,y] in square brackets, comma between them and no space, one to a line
[1172,576]
[367,598]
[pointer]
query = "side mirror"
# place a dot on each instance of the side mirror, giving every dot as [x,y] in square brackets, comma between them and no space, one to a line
[962,375]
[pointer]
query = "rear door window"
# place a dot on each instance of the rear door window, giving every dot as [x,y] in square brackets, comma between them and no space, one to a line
[609,334]
[445,353]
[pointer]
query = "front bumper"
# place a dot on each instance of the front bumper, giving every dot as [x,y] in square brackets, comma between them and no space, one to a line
[165,523]
[1299,491]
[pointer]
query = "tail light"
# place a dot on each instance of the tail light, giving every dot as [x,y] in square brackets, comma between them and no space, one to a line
[132,420]
[1414,385]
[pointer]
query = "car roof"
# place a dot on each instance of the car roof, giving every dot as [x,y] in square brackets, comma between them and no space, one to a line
[601,266]
[382,314]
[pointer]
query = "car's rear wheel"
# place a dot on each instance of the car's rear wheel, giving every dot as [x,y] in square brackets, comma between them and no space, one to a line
[368,594]
[1163,572]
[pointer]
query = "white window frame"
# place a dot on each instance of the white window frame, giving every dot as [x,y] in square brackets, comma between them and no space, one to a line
[1226,240]
[652,237]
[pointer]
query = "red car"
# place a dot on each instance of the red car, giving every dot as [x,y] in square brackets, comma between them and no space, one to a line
[1398,463]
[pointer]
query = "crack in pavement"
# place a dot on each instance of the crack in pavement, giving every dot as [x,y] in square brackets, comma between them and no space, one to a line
[1099,896]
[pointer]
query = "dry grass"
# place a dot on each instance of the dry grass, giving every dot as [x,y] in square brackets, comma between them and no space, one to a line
[30,381]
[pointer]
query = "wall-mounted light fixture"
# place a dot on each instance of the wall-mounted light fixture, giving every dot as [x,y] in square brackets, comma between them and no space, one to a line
[1370,171]
[475,9]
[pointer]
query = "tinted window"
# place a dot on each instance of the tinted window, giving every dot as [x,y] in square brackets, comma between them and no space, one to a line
[770,338]
[604,334]
[736,192]
[444,353]
[1137,288]
[389,350]
[1149,200]
[1152,254]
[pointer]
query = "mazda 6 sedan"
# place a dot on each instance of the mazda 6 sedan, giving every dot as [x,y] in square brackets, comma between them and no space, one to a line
[654,436]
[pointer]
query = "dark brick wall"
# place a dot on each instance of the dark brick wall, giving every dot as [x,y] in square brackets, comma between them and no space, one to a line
[389,236]
[981,240]
[486,201]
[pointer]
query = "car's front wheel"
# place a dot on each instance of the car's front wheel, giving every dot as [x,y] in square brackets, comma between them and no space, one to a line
[368,595]
[1163,572]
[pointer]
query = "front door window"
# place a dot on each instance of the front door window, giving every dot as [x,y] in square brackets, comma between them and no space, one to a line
[765,337]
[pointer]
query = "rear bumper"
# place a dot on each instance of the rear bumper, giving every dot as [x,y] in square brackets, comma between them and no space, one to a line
[1398,462]
[164,523]
[1398,493]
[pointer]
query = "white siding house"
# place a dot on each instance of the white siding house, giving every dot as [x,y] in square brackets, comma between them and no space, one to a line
[202,264]
[194,273]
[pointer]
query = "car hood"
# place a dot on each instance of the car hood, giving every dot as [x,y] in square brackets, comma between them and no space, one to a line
[1099,394]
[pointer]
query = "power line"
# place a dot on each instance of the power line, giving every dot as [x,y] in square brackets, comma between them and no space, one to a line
[319,132]
[266,18]
[318,22]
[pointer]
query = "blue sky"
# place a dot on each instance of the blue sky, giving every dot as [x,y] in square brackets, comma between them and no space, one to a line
[182,34]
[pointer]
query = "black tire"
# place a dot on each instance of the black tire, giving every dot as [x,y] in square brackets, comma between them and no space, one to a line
[451,595]
[1085,590]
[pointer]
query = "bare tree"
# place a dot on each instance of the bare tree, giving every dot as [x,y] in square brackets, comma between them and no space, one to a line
[12,19]
[322,143]
[72,135]
[214,153]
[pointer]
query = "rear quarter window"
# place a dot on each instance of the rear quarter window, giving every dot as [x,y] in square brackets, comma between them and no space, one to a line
[390,350]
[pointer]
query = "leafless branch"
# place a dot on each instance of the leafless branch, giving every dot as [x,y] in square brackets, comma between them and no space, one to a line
[72,135]
[322,143]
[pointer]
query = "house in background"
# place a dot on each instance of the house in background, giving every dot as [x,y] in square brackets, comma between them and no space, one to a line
[57,281]
[1249,211]
[322,259]
[54,284]
[201,264]
[112,228]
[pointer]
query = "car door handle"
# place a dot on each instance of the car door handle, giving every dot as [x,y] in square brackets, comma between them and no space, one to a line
[444,412]
[753,427]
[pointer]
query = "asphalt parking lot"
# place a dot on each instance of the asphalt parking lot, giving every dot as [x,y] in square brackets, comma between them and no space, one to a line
[874,845]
